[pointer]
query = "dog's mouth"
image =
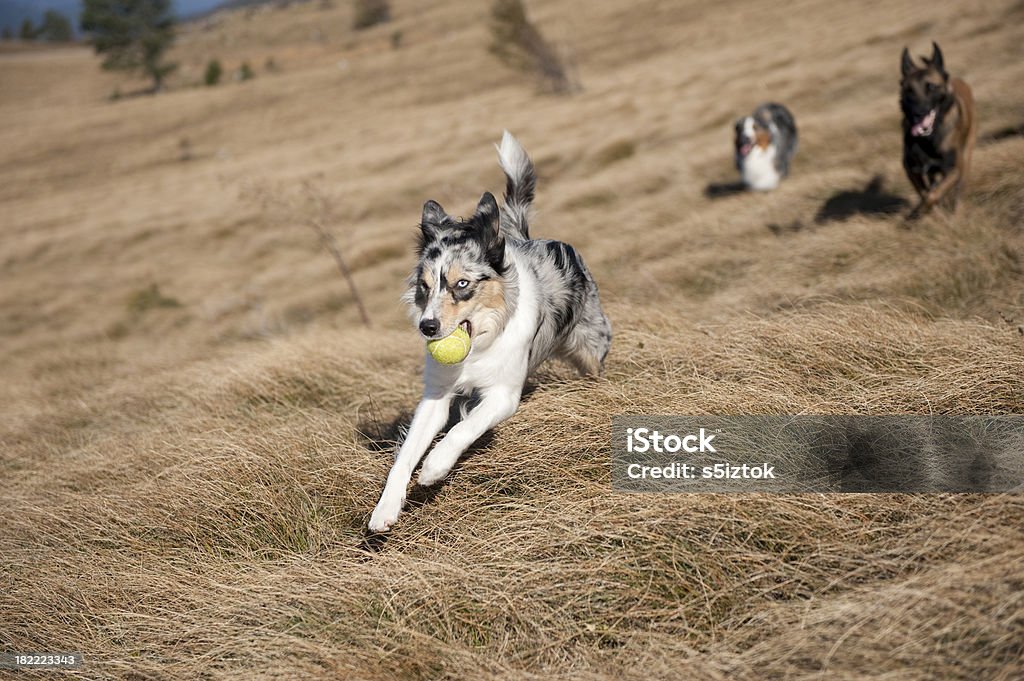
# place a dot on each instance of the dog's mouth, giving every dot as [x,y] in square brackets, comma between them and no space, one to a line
[744,148]
[465,325]
[924,126]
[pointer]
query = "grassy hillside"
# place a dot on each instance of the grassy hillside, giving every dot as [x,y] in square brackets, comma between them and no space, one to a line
[195,426]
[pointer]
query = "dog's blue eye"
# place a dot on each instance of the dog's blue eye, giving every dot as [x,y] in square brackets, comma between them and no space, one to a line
[462,283]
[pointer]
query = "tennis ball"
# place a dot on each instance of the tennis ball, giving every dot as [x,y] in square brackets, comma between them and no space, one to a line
[451,349]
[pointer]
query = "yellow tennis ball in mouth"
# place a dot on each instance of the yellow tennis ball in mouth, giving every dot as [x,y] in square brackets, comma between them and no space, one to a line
[451,349]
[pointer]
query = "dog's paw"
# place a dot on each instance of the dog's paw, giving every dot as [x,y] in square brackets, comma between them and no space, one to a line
[431,473]
[384,516]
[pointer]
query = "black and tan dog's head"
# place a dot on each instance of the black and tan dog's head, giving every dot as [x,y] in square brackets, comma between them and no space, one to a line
[459,280]
[924,92]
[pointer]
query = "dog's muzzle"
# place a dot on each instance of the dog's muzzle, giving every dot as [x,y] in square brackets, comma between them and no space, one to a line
[925,126]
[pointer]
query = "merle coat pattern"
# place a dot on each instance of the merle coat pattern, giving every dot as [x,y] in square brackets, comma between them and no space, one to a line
[765,144]
[521,300]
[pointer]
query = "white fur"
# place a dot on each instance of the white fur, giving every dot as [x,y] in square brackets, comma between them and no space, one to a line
[496,369]
[759,171]
[512,157]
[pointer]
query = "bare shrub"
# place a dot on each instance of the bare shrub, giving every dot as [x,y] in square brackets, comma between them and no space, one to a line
[315,209]
[319,223]
[518,43]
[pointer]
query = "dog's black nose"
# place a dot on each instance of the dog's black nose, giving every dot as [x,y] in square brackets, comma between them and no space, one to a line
[429,327]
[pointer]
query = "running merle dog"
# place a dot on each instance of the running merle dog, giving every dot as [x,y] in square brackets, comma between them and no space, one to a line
[521,300]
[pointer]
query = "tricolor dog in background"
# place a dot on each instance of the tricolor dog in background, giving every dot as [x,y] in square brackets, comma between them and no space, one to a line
[765,145]
[519,301]
[939,129]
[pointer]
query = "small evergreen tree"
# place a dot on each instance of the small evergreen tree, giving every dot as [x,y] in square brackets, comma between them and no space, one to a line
[132,35]
[213,72]
[55,28]
[6,34]
[28,31]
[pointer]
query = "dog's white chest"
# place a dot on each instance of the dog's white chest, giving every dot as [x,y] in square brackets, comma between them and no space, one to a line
[759,171]
[504,360]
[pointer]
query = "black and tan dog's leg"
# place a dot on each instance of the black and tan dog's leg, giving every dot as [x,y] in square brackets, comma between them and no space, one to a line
[951,201]
[962,168]
[920,183]
[950,185]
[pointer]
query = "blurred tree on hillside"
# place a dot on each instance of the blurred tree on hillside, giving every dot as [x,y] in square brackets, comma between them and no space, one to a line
[28,31]
[132,34]
[517,42]
[213,72]
[6,34]
[55,28]
[369,13]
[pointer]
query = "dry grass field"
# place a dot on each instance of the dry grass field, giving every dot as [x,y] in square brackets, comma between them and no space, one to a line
[195,425]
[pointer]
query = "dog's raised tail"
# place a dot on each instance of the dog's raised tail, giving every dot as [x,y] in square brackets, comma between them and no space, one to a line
[520,184]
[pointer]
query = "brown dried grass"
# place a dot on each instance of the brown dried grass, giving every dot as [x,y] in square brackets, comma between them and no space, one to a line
[185,486]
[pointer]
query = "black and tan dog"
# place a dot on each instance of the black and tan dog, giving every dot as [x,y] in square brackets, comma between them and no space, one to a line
[939,129]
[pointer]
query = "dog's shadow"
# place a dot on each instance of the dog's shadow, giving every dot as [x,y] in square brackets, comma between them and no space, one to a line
[1004,133]
[721,190]
[388,436]
[873,200]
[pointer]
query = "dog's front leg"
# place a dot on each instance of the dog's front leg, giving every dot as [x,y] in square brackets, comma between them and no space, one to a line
[496,405]
[920,209]
[938,191]
[430,417]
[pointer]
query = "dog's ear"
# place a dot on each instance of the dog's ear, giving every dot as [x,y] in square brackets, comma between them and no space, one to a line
[486,215]
[740,127]
[433,214]
[906,63]
[433,217]
[487,221]
[936,59]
